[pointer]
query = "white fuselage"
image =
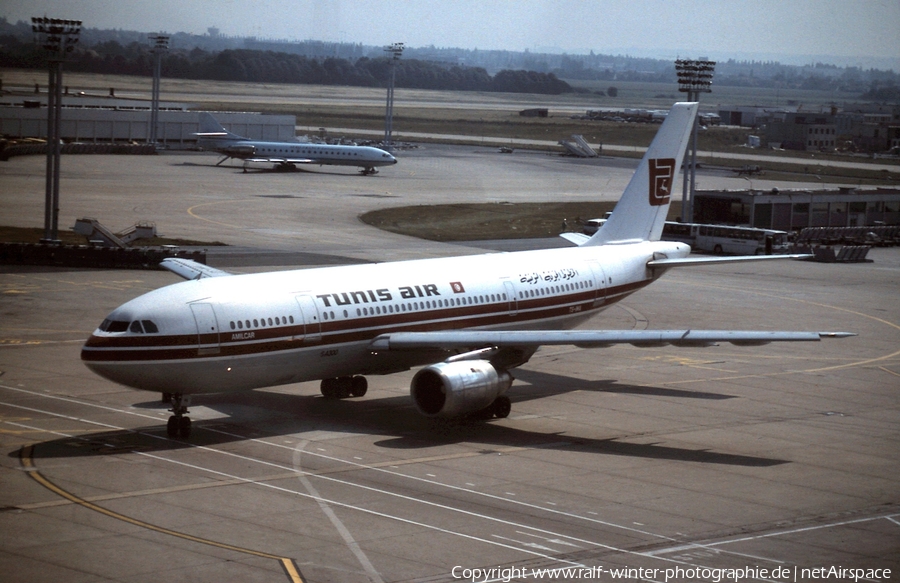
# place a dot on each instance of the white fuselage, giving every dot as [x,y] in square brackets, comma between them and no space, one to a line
[249,331]
[300,153]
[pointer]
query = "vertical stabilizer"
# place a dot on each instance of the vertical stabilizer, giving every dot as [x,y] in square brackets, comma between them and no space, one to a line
[641,212]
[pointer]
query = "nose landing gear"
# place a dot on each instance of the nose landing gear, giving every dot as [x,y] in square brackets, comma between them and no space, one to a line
[179,425]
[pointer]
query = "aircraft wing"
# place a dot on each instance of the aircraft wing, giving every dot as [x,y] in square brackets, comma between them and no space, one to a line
[476,339]
[189,269]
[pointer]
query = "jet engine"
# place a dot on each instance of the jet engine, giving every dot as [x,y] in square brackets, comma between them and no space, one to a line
[452,389]
[239,150]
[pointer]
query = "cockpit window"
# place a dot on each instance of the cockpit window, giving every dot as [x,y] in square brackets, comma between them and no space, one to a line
[140,327]
[114,326]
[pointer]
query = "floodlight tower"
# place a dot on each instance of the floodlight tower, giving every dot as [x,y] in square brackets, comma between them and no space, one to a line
[694,78]
[58,38]
[161,45]
[393,51]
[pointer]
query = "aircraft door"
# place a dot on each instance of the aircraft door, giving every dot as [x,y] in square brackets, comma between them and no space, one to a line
[601,283]
[312,323]
[207,329]
[512,300]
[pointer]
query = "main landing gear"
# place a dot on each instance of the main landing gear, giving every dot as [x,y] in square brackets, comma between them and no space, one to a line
[343,387]
[500,409]
[368,171]
[178,425]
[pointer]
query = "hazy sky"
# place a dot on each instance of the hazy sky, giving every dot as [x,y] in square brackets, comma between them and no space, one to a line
[719,29]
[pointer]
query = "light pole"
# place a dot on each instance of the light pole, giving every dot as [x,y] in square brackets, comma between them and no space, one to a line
[694,78]
[161,45]
[394,51]
[58,37]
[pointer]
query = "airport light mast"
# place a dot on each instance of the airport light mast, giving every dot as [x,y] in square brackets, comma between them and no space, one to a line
[393,51]
[161,45]
[58,38]
[694,78]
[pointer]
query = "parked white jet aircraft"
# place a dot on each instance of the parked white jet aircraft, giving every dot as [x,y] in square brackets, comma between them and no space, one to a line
[212,136]
[470,319]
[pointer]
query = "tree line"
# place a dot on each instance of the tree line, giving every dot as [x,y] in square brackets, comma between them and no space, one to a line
[265,66]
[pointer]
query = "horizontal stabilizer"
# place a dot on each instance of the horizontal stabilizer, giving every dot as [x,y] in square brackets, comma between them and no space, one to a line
[189,269]
[211,128]
[577,238]
[473,339]
[692,260]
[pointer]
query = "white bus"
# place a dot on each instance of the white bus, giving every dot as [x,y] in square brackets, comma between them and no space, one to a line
[723,239]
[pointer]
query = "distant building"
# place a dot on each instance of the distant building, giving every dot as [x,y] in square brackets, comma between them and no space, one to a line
[787,210]
[110,119]
[812,132]
[865,128]
[747,116]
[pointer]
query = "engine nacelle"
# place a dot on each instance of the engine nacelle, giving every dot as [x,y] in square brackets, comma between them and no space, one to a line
[451,389]
[239,151]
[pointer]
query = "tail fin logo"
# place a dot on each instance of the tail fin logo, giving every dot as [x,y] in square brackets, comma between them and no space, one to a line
[662,173]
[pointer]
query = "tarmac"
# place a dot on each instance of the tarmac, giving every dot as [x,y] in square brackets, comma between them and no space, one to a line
[682,464]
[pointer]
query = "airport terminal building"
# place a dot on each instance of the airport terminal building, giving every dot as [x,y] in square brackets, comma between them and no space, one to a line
[795,209]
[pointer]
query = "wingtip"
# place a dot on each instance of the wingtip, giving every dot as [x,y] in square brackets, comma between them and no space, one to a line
[836,334]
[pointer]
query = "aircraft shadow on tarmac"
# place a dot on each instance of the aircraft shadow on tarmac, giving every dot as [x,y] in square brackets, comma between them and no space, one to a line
[261,414]
[274,170]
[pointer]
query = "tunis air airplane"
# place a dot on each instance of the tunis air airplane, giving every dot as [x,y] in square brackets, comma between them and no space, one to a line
[212,136]
[468,321]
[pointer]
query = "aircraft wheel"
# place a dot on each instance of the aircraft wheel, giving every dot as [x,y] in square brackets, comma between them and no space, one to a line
[345,387]
[501,407]
[484,414]
[329,389]
[184,427]
[172,426]
[359,386]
